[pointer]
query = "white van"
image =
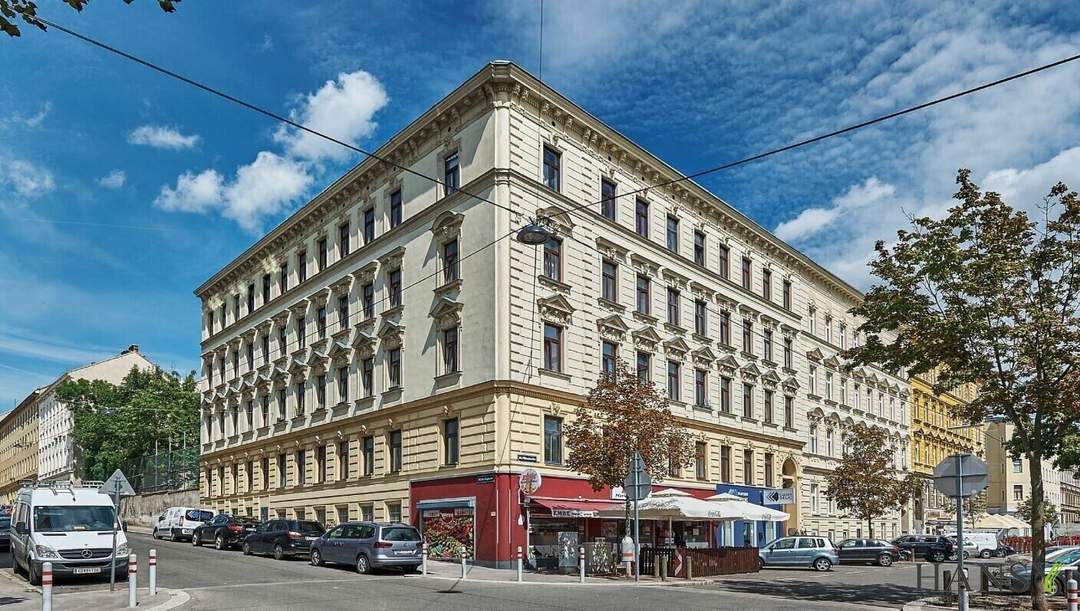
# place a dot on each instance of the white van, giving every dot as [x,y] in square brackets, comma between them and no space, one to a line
[177,523]
[69,526]
[983,545]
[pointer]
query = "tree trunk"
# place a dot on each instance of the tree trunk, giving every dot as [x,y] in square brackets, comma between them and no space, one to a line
[1038,543]
[870,526]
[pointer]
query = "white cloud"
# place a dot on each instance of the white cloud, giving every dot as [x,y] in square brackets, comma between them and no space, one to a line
[25,178]
[264,187]
[162,137]
[33,121]
[266,44]
[342,109]
[1025,189]
[113,180]
[810,221]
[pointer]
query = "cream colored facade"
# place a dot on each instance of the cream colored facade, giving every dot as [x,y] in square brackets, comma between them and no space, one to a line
[1010,479]
[18,447]
[937,433]
[768,412]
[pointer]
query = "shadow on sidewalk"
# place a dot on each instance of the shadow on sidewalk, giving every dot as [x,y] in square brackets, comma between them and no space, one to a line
[875,594]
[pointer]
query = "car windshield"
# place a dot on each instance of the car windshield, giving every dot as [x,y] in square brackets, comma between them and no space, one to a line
[400,534]
[73,518]
[196,515]
[310,528]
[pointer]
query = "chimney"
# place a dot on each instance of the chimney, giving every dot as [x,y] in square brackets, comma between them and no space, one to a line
[131,348]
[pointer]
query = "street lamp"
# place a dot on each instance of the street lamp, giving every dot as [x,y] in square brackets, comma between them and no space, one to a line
[534,234]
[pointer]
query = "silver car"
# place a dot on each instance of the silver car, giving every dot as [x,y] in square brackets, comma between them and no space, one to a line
[369,545]
[814,552]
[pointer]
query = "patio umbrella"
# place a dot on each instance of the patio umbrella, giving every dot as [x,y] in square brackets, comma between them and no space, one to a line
[674,504]
[737,508]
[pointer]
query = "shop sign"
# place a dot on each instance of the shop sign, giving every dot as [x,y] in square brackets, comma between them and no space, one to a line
[431,513]
[574,513]
[486,478]
[617,493]
[526,458]
[779,496]
[529,481]
[463,511]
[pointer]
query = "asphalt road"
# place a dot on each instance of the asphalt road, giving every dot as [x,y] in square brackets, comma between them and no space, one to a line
[230,580]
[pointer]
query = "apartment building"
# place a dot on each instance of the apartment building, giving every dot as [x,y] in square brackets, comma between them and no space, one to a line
[937,433]
[391,352]
[18,447]
[1010,477]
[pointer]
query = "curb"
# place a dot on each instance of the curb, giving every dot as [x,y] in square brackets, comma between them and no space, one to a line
[923,604]
[592,582]
[177,598]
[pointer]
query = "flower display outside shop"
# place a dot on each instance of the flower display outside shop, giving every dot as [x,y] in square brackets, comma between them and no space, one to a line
[446,532]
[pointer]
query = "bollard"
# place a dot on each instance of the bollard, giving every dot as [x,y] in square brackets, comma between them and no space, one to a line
[689,567]
[133,574]
[463,572]
[423,559]
[152,561]
[581,562]
[663,567]
[1070,590]
[46,586]
[656,568]
[520,561]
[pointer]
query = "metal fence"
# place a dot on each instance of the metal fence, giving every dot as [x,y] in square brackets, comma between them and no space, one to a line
[176,469]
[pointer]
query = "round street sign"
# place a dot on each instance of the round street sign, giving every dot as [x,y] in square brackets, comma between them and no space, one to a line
[961,475]
[529,481]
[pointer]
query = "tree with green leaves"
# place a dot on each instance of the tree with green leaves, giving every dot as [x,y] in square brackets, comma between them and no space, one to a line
[624,415]
[117,425]
[1049,511]
[974,508]
[11,11]
[866,484]
[990,296]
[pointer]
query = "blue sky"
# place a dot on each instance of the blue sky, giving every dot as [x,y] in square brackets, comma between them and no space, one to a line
[121,191]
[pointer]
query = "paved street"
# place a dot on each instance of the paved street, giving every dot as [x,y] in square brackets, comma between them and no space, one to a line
[229,580]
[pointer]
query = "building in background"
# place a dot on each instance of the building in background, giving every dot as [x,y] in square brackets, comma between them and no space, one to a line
[18,447]
[936,434]
[1010,478]
[1070,504]
[360,361]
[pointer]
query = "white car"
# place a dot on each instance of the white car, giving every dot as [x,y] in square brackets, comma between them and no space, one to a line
[178,523]
[69,526]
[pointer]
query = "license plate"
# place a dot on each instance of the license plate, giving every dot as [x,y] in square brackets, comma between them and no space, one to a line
[88,570]
[186,531]
[405,552]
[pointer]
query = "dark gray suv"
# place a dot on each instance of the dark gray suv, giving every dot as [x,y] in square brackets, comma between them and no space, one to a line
[369,545]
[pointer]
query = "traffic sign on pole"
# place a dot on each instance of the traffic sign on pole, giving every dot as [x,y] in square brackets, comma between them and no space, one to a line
[949,481]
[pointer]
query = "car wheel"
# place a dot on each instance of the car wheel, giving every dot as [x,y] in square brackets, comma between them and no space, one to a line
[316,558]
[985,554]
[195,539]
[1059,588]
[31,574]
[363,566]
[219,543]
[15,567]
[822,564]
[154,534]
[937,557]
[279,552]
[966,555]
[247,548]
[885,560]
[760,564]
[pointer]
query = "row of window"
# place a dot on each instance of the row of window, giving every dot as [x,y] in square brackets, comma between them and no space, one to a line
[326,470]
[855,398]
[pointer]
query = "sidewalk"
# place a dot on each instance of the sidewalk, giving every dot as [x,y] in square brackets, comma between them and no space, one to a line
[452,570]
[16,595]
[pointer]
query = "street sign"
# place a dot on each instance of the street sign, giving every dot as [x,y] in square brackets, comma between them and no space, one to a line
[779,496]
[961,475]
[642,490]
[529,481]
[118,484]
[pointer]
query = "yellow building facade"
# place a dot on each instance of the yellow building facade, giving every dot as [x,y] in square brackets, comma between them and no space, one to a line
[936,434]
[18,447]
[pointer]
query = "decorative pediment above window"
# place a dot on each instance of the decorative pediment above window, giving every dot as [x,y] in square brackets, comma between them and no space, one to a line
[903,395]
[858,374]
[701,290]
[338,351]
[770,378]
[676,347]
[612,327]
[815,416]
[557,219]
[675,279]
[319,299]
[297,366]
[788,330]
[556,309]
[341,287]
[446,312]
[726,303]
[727,363]
[832,362]
[815,355]
[299,307]
[364,345]
[791,385]
[748,311]
[280,318]
[319,361]
[610,249]
[366,274]
[769,321]
[646,337]
[750,371]
[392,259]
[644,265]
[391,334]
[447,226]
[703,356]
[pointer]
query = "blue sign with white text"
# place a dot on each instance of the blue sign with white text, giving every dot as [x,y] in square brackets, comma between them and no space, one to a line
[745,533]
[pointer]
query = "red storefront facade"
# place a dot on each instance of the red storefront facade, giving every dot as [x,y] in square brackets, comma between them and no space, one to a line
[488,516]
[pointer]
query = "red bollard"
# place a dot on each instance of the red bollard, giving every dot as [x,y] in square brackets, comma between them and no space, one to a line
[46,586]
[1073,596]
[153,572]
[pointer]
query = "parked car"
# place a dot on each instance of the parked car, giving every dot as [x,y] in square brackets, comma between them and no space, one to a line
[177,523]
[930,547]
[983,545]
[283,538]
[224,530]
[1004,550]
[857,551]
[369,545]
[5,534]
[1059,562]
[815,552]
[66,525]
[969,547]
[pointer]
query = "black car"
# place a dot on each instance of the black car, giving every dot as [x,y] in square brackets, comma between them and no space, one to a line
[859,551]
[930,547]
[224,530]
[5,533]
[283,538]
